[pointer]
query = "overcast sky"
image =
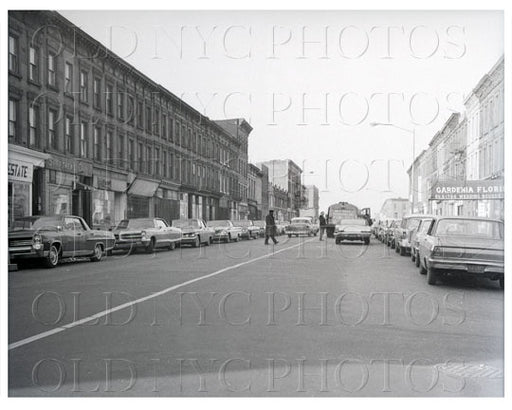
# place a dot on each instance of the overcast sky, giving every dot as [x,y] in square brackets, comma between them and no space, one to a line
[411,69]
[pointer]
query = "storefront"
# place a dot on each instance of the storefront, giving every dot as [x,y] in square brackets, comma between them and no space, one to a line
[108,199]
[25,182]
[140,203]
[167,203]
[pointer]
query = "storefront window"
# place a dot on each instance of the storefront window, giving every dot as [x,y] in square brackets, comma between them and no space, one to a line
[19,200]
[103,214]
[60,200]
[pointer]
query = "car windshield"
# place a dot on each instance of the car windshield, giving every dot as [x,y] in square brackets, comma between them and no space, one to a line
[412,223]
[470,227]
[218,224]
[244,223]
[185,223]
[42,223]
[359,222]
[136,224]
[301,221]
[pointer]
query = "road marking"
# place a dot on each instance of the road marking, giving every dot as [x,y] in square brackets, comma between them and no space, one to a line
[71,325]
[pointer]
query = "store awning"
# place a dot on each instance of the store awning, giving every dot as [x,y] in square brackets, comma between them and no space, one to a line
[143,187]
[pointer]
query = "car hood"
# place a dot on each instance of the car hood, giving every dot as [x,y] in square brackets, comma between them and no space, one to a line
[22,233]
[129,231]
[188,230]
[470,242]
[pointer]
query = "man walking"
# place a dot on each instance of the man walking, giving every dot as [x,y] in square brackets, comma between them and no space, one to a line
[270,229]
[323,222]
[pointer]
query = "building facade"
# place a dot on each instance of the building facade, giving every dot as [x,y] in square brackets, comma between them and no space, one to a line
[462,171]
[394,208]
[311,204]
[90,135]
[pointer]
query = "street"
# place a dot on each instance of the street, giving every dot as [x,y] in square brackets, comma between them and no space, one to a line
[302,318]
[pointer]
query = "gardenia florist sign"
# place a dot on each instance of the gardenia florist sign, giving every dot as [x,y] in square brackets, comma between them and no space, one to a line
[460,190]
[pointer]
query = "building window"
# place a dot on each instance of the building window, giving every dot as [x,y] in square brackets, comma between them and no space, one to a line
[148,118]
[51,70]
[171,129]
[164,155]
[149,160]
[120,150]
[97,92]
[164,126]
[84,86]
[68,78]
[33,64]
[131,110]
[108,147]
[69,135]
[157,161]
[52,137]
[13,54]
[131,154]
[156,123]
[140,115]
[120,105]
[13,119]
[83,139]
[140,159]
[33,124]
[109,100]
[97,144]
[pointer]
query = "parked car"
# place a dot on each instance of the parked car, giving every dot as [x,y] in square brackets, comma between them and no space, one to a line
[389,238]
[147,234]
[460,245]
[352,230]
[417,236]
[225,230]
[402,233]
[281,227]
[194,232]
[301,226]
[383,229]
[52,238]
[249,230]
[261,226]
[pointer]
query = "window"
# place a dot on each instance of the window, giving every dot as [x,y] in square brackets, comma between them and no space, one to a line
[52,137]
[140,159]
[97,144]
[13,119]
[96,89]
[33,124]
[131,110]
[109,100]
[68,78]
[51,70]
[149,160]
[68,129]
[131,154]
[33,64]
[171,129]
[83,139]
[148,118]
[140,114]
[120,105]
[109,152]
[166,171]
[156,123]
[164,126]
[157,161]
[120,150]
[84,86]
[13,54]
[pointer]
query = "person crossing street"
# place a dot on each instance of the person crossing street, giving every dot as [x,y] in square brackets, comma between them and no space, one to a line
[322,222]
[270,229]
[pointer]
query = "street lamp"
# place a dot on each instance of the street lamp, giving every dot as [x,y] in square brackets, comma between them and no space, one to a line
[410,131]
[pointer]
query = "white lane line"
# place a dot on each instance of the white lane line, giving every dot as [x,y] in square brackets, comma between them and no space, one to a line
[71,325]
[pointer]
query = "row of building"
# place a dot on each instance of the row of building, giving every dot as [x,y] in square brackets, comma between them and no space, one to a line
[90,135]
[462,170]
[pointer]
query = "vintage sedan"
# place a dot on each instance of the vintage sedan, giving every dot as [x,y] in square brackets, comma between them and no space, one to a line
[460,245]
[261,226]
[301,226]
[389,238]
[352,230]
[194,232]
[403,232]
[417,236]
[147,234]
[52,238]
[225,231]
[249,230]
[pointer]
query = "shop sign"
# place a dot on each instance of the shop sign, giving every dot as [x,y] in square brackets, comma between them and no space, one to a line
[468,190]
[104,183]
[20,171]
[70,166]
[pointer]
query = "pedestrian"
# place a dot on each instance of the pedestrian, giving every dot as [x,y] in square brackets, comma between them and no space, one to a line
[323,222]
[270,228]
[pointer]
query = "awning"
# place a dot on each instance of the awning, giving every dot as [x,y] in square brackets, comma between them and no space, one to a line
[143,187]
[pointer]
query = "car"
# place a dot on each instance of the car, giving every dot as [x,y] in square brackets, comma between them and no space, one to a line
[261,226]
[383,229]
[352,230]
[53,238]
[301,226]
[249,230]
[225,230]
[147,234]
[388,235]
[464,246]
[281,227]
[402,233]
[194,232]
[417,236]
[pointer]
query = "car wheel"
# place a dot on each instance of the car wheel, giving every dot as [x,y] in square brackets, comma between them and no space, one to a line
[208,242]
[53,257]
[289,235]
[109,253]
[367,241]
[393,245]
[423,271]
[98,253]
[413,256]
[172,246]
[397,248]
[338,241]
[229,238]
[502,283]
[237,238]
[151,247]
[431,276]
[417,261]
[402,251]
[197,242]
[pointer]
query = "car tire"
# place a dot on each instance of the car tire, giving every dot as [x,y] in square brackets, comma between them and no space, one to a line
[367,241]
[502,283]
[402,251]
[197,242]
[338,241]
[289,235]
[413,256]
[151,246]
[172,246]
[431,276]
[53,258]
[422,270]
[417,261]
[98,253]
[393,245]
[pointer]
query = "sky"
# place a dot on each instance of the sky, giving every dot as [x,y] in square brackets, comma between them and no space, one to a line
[313,84]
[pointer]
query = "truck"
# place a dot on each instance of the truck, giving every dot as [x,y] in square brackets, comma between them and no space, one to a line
[344,210]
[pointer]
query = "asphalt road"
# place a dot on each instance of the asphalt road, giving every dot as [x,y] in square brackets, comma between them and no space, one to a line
[302,318]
